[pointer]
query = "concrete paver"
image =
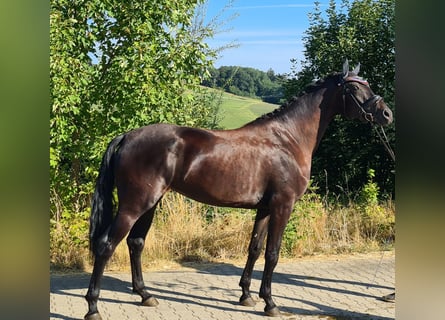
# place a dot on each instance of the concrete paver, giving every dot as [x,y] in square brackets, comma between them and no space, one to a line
[344,287]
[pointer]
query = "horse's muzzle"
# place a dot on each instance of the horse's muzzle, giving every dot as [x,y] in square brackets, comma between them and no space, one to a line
[383,115]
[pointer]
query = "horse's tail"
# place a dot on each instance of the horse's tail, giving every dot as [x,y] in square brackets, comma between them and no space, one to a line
[102,208]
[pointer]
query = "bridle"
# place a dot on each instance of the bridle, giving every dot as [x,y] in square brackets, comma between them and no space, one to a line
[364,108]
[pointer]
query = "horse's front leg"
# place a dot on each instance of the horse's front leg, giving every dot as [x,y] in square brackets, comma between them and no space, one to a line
[279,216]
[256,243]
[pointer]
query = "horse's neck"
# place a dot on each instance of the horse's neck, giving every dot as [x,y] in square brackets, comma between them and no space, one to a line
[309,127]
[327,114]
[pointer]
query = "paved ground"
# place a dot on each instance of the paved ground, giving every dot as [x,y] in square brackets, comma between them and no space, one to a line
[311,288]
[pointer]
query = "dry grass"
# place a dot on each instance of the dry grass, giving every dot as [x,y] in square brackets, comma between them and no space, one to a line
[184,230]
[313,228]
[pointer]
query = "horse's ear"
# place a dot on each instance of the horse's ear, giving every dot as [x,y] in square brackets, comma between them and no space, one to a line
[356,69]
[345,68]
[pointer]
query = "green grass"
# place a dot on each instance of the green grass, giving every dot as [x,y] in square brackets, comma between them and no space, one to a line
[238,111]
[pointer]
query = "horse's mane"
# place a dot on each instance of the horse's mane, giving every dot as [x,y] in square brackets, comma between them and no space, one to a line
[292,102]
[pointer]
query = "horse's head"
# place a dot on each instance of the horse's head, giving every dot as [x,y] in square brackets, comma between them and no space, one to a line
[359,102]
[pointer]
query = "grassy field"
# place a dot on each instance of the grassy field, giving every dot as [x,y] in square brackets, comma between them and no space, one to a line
[238,111]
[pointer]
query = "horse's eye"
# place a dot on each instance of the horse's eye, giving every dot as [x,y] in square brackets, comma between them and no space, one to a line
[354,87]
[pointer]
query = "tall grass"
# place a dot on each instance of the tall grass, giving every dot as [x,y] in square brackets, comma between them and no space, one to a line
[185,230]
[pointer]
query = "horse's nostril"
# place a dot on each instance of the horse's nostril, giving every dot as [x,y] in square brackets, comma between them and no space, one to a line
[387,114]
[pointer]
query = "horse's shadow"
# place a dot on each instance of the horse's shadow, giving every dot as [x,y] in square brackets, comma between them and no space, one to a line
[301,281]
[286,278]
[62,284]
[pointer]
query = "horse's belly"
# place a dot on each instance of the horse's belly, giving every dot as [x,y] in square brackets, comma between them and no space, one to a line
[223,189]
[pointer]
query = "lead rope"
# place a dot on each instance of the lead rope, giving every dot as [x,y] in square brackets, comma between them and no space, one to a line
[376,270]
[385,142]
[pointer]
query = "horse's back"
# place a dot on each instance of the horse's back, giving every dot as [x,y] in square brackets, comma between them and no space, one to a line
[161,148]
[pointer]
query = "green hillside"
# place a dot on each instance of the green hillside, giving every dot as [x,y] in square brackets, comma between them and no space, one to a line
[237,110]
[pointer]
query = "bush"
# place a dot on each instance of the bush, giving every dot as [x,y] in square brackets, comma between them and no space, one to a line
[362,225]
[377,223]
[69,240]
[304,232]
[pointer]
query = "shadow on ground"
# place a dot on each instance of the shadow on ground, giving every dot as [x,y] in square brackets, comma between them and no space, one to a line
[63,283]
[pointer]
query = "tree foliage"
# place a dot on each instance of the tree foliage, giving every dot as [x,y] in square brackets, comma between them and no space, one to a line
[248,82]
[114,66]
[362,31]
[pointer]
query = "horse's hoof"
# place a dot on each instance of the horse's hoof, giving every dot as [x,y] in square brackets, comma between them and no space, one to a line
[150,302]
[93,316]
[247,302]
[273,312]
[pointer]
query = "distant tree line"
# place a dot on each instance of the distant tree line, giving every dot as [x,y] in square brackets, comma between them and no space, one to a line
[247,82]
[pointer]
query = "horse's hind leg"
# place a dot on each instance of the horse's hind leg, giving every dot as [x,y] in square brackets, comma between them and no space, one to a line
[119,228]
[256,243]
[135,242]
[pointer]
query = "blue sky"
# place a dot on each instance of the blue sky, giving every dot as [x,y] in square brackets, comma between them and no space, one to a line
[269,32]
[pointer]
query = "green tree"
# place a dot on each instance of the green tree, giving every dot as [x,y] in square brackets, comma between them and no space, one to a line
[114,66]
[362,31]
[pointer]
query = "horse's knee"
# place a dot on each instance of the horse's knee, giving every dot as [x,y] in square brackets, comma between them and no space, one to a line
[255,250]
[272,256]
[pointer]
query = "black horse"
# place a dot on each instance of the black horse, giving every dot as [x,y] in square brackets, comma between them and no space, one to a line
[264,165]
